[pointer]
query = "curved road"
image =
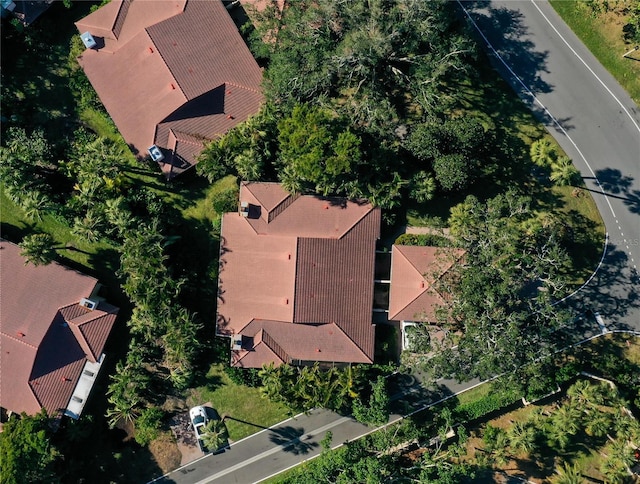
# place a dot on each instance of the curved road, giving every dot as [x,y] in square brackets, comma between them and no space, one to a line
[598,126]
[593,119]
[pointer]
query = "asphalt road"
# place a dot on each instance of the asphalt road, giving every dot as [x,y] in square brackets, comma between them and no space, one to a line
[596,123]
[598,126]
[293,441]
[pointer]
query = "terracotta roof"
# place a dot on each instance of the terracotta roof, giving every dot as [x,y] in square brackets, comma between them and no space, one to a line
[414,270]
[46,336]
[281,342]
[312,265]
[171,65]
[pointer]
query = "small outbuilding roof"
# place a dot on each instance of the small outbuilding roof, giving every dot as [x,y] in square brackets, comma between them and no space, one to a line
[414,295]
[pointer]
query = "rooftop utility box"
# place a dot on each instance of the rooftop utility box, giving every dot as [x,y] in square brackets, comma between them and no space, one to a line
[156,154]
[88,40]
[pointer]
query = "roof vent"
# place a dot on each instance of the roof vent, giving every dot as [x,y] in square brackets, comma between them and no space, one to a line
[244,209]
[88,40]
[88,303]
[236,343]
[155,153]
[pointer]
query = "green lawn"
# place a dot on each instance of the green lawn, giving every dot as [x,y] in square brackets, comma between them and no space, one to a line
[603,36]
[249,412]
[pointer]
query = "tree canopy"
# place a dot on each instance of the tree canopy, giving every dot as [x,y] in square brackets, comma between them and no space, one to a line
[501,314]
[26,450]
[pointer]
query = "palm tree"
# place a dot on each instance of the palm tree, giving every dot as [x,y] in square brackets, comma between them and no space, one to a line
[522,437]
[180,344]
[33,204]
[38,249]
[598,424]
[125,393]
[215,435]
[118,214]
[423,187]
[619,458]
[89,227]
[567,474]
[563,172]
[542,152]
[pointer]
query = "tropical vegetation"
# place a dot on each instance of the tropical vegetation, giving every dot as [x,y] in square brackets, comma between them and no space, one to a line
[365,99]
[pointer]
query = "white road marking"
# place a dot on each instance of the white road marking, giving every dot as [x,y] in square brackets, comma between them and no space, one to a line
[587,66]
[600,321]
[275,450]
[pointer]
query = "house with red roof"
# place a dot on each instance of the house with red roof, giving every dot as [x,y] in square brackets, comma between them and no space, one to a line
[173,75]
[415,295]
[53,330]
[296,278]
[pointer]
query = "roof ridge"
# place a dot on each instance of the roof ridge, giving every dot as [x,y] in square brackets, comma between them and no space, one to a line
[414,266]
[118,21]
[33,392]
[246,88]
[164,61]
[295,281]
[451,266]
[351,339]
[18,340]
[356,223]
[183,140]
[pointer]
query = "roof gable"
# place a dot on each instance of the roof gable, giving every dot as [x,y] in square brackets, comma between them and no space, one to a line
[414,270]
[281,342]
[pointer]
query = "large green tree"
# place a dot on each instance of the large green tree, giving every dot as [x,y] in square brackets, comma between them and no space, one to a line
[370,52]
[501,298]
[317,153]
[26,451]
[458,149]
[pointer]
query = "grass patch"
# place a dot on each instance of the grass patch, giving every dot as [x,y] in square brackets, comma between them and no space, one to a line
[603,36]
[203,208]
[99,123]
[80,253]
[247,410]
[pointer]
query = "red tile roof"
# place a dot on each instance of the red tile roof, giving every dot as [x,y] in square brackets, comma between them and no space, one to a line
[171,66]
[304,260]
[45,335]
[413,295]
[282,342]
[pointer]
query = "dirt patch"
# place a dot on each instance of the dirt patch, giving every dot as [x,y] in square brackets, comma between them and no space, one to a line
[165,452]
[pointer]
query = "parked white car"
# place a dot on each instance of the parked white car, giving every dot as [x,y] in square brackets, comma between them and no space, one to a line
[199,420]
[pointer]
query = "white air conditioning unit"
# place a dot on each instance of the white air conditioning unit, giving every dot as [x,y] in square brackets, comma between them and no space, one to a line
[244,209]
[88,303]
[155,153]
[236,343]
[88,40]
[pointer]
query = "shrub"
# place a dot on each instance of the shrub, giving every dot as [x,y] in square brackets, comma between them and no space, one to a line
[244,376]
[423,240]
[148,425]
[485,405]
